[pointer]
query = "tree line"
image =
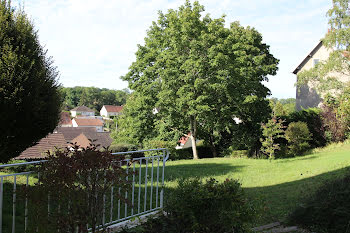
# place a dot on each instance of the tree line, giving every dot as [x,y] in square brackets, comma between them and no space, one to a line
[92,97]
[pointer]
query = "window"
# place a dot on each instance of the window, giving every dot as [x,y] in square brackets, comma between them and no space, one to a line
[316,61]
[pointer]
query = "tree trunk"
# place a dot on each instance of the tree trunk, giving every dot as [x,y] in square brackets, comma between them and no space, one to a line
[193,137]
[212,146]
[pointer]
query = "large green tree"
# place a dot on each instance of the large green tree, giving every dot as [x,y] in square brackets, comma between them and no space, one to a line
[199,73]
[29,98]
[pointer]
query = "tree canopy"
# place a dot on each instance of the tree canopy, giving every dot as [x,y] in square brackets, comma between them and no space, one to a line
[202,75]
[29,98]
[92,97]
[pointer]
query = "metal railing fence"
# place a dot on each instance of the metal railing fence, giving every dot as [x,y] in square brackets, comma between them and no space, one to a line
[146,174]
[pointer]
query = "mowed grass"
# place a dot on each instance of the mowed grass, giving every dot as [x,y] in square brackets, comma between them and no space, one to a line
[278,185]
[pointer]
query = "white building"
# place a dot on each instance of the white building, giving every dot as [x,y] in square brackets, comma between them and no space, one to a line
[306,96]
[88,122]
[83,111]
[110,110]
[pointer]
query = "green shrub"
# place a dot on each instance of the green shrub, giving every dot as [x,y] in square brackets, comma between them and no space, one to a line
[313,118]
[196,206]
[124,147]
[298,136]
[25,168]
[178,154]
[237,154]
[328,210]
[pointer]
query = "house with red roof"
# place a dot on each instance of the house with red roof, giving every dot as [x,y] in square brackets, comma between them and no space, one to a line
[47,144]
[88,122]
[83,111]
[65,120]
[64,137]
[110,110]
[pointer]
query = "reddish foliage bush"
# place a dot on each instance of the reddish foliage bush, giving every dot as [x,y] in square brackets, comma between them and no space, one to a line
[75,181]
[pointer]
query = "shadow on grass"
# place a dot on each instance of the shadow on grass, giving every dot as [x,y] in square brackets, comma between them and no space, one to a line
[282,199]
[299,158]
[201,170]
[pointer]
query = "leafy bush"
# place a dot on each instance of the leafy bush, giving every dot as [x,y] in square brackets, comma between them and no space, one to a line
[313,118]
[76,182]
[124,147]
[209,206]
[178,154]
[328,210]
[298,136]
[336,116]
[196,206]
[236,153]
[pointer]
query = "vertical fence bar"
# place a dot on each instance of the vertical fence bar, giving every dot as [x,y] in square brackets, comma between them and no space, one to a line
[48,205]
[145,201]
[104,210]
[162,190]
[133,189]
[157,182]
[14,204]
[150,201]
[139,200]
[120,164]
[111,211]
[26,207]
[104,202]
[1,197]
[126,192]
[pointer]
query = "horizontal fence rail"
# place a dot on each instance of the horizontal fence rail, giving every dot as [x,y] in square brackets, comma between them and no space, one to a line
[145,171]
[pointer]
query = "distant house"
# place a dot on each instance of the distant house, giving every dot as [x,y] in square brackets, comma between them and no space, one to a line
[110,110]
[64,137]
[185,142]
[71,133]
[306,96]
[39,151]
[100,139]
[82,110]
[87,122]
[65,120]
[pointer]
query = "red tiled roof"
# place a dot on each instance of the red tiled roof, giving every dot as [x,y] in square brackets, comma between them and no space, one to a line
[88,122]
[49,143]
[82,109]
[65,119]
[71,132]
[113,108]
[102,139]
[184,139]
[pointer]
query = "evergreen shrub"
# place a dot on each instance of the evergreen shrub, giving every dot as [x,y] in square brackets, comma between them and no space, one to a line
[298,136]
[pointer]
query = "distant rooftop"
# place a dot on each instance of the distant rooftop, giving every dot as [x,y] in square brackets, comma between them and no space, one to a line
[49,143]
[82,109]
[113,108]
[88,122]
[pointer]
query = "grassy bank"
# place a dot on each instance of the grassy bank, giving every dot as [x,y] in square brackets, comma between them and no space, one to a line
[278,184]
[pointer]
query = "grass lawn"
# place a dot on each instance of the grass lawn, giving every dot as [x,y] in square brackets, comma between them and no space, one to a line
[278,184]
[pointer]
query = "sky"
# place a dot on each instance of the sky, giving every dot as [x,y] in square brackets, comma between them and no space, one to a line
[94,42]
